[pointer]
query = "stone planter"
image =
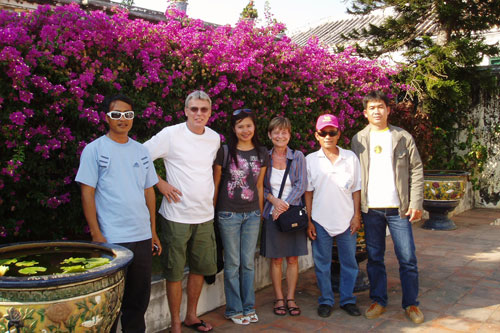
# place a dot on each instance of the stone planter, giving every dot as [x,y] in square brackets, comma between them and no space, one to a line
[443,191]
[80,302]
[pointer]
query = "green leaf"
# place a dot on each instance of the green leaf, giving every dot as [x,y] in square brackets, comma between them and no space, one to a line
[96,262]
[73,261]
[8,261]
[32,270]
[27,263]
[73,269]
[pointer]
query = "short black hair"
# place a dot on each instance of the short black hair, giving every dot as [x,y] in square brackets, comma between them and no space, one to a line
[375,95]
[108,101]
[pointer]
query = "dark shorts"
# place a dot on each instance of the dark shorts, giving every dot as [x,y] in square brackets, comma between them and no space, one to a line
[187,244]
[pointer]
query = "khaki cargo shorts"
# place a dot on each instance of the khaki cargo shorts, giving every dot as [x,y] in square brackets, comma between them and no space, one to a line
[187,244]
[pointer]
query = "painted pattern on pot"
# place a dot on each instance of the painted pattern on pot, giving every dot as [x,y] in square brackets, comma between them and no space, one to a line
[443,190]
[94,312]
[444,185]
[87,301]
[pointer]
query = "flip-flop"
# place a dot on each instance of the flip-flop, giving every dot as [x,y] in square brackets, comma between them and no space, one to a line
[196,326]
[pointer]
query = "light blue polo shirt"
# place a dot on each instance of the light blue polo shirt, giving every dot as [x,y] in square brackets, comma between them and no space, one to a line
[120,173]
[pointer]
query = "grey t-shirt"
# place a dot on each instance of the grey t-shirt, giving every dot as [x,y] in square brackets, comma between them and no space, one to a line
[238,188]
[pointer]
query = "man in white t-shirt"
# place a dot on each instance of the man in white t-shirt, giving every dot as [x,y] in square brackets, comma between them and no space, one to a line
[391,195]
[186,213]
[333,205]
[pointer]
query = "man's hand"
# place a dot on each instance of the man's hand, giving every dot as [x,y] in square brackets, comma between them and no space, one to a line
[171,193]
[98,237]
[311,231]
[355,224]
[156,241]
[415,214]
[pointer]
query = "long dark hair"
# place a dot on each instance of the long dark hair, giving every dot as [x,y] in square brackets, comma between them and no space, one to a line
[233,140]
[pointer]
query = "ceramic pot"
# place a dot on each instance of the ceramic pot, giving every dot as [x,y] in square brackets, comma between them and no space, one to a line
[79,302]
[443,191]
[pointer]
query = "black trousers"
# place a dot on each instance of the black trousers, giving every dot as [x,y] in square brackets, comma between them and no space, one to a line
[137,288]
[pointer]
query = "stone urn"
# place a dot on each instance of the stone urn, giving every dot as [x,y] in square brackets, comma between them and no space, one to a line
[443,191]
[87,301]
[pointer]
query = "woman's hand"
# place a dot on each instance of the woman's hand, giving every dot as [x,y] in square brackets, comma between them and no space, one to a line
[280,206]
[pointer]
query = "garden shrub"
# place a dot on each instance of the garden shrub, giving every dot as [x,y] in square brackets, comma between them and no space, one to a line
[57,65]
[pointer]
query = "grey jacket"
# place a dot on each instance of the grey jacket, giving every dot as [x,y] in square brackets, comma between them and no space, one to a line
[406,163]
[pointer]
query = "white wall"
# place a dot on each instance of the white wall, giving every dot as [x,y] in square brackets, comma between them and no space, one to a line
[212,296]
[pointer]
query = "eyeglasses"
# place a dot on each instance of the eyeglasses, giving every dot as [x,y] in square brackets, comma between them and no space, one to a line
[330,133]
[237,112]
[195,109]
[117,115]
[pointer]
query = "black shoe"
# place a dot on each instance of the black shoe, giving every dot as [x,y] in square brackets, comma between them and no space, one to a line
[351,309]
[324,310]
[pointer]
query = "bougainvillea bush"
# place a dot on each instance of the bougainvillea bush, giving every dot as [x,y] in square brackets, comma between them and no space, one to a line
[58,64]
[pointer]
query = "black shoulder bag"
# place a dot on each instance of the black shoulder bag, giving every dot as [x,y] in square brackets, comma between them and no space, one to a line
[295,217]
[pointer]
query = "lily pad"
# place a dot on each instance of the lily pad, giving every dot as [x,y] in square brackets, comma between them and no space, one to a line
[96,262]
[73,269]
[8,261]
[32,270]
[72,260]
[26,263]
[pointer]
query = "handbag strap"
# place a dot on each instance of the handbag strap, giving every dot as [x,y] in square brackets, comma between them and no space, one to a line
[288,163]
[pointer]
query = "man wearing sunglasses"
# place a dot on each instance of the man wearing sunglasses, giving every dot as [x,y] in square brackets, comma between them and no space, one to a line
[186,214]
[117,178]
[391,196]
[333,206]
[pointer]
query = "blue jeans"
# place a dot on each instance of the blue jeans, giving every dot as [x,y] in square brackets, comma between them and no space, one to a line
[322,256]
[239,233]
[375,222]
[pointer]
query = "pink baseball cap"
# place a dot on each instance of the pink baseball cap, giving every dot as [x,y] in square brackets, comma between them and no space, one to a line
[326,120]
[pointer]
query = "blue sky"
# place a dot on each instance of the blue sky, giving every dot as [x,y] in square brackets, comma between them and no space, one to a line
[296,14]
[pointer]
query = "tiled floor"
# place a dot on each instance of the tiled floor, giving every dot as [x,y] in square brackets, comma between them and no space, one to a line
[459,287]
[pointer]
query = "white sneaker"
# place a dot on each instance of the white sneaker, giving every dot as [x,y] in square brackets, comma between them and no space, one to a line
[252,318]
[240,321]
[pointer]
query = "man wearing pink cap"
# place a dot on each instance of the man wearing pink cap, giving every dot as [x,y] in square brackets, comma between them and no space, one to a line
[333,205]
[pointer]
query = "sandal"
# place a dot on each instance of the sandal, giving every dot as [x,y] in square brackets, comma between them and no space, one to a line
[293,310]
[279,310]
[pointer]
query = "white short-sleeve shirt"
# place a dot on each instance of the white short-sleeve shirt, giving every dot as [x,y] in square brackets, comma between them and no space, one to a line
[333,185]
[188,159]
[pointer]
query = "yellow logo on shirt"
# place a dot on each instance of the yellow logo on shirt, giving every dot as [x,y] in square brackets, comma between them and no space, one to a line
[377,149]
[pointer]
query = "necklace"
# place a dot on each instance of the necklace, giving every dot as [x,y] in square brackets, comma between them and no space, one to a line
[279,156]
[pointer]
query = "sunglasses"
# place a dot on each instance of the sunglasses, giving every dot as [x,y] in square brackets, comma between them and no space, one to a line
[117,115]
[237,112]
[195,109]
[330,133]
